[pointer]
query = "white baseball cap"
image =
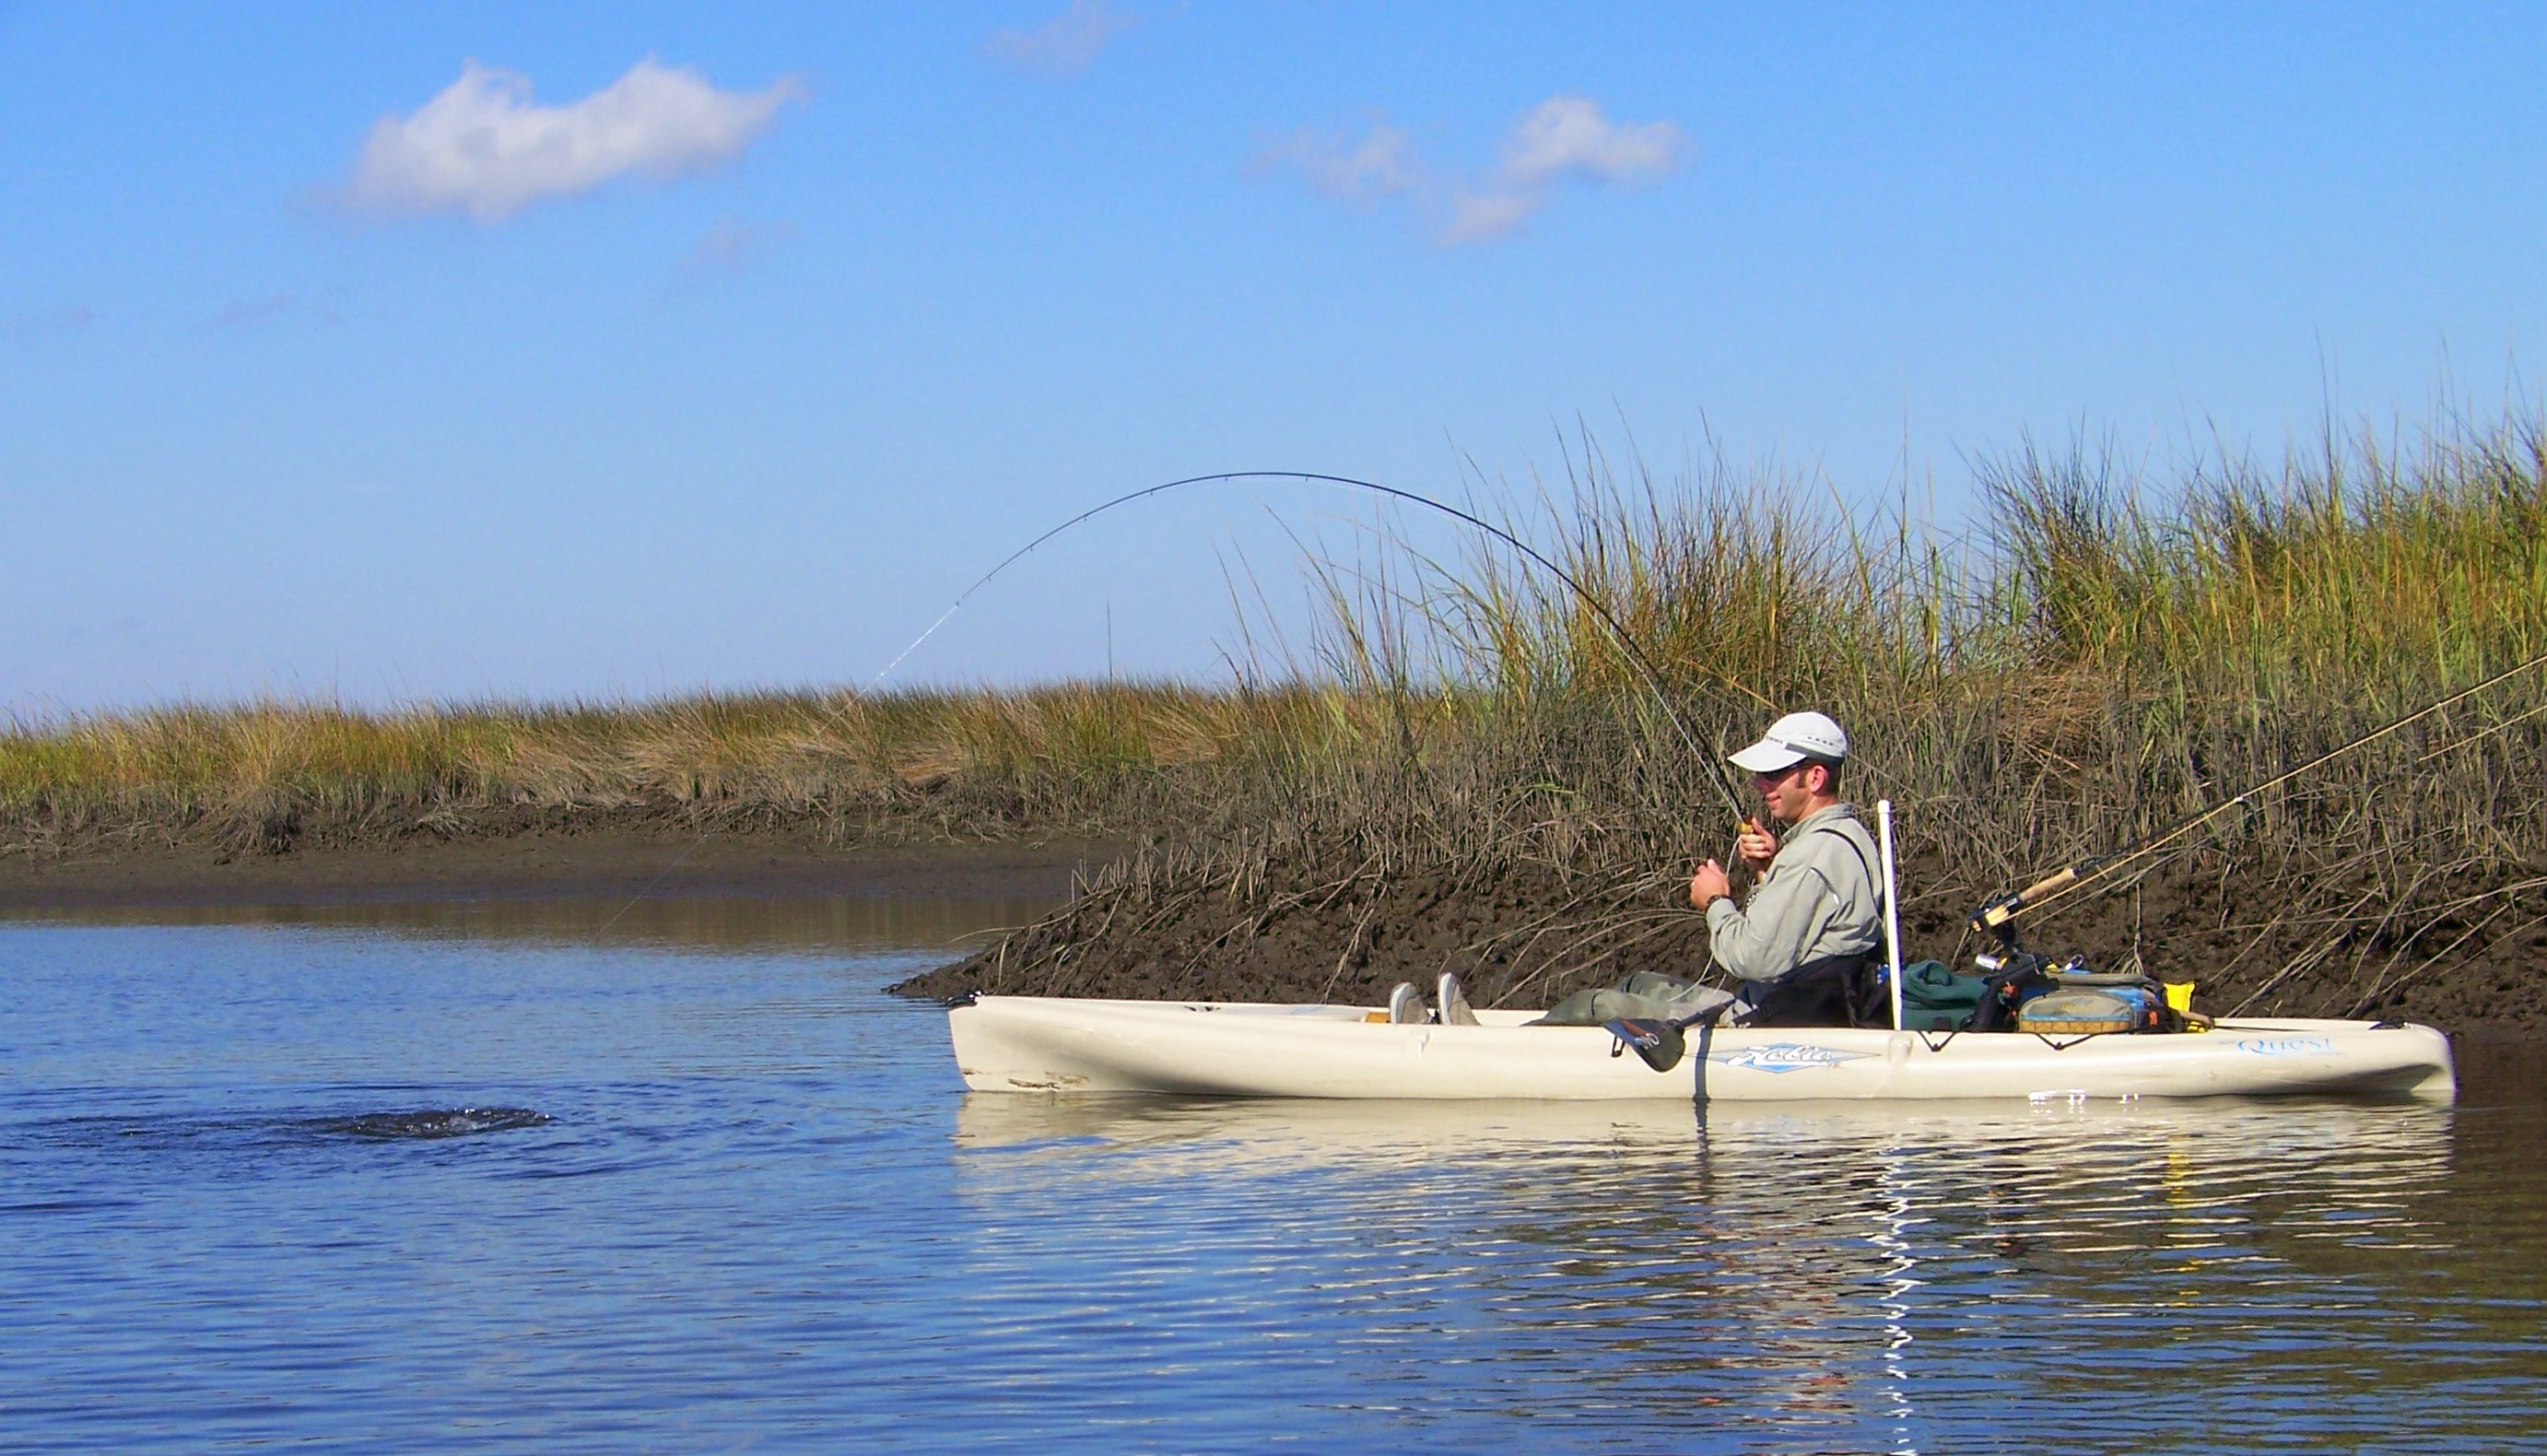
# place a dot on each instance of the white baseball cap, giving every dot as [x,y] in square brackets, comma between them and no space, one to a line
[1791,740]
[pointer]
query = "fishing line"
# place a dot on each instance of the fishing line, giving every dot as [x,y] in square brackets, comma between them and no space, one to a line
[1610,623]
[2486,732]
[2062,884]
[1618,633]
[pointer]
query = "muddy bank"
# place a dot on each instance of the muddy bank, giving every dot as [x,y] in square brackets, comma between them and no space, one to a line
[1525,934]
[660,859]
[2468,957]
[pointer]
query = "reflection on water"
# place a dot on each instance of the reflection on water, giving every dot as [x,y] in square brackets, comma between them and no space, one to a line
[737,925]
[1828,1276]
[406,1178]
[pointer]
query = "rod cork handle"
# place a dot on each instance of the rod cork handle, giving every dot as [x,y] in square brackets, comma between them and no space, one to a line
[2047,884]
[1994,915]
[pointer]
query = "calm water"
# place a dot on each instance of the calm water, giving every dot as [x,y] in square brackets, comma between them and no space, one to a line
[506,1176]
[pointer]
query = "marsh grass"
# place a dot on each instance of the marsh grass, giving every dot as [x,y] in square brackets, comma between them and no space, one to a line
[988,762]
[2098,654]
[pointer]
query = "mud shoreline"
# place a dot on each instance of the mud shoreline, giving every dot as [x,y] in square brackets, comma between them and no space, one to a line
[548,864]
[1516,935]
[1526,935]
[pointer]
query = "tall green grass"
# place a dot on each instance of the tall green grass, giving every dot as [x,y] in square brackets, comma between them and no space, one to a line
[2098,651]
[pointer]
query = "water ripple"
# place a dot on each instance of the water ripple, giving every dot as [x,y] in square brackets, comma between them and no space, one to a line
[752,1210]
[432,1122]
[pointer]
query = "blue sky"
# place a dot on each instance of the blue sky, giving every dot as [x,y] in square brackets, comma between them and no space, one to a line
[613,350]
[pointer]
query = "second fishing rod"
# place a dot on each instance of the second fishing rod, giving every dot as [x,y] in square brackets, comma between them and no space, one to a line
[1999,918]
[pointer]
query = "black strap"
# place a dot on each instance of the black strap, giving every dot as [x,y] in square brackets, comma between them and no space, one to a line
[1872,883]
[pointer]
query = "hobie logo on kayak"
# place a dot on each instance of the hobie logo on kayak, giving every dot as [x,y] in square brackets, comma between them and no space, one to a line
[2288,1046]
[1783,1057]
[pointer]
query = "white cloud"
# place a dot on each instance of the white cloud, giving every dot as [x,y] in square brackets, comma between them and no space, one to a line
[1477,217]
[1377,165]
[1063,45]
[1564,138]
[483,148]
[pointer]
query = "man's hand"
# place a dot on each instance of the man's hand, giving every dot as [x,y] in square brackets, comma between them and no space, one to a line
[1756,845]
[1708,885]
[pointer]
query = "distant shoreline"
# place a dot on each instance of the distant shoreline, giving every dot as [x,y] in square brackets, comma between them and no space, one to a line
[663,860]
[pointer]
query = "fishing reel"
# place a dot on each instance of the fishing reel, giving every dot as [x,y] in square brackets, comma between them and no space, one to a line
[2012,965]
[1997,920]
[2022,965]
[1999,917]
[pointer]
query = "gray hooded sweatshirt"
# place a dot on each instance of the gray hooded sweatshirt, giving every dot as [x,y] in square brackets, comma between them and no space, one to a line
[1820,897]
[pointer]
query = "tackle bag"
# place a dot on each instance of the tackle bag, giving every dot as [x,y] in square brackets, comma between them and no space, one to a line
[1935,998]
[2092,1010]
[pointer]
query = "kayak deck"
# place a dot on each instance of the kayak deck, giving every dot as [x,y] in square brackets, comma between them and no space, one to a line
[1051,1043]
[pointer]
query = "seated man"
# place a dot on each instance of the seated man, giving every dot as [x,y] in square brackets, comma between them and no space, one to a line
[1802,946]
[1803,943]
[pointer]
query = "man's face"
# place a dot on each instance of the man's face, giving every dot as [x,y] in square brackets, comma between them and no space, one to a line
[1788,791]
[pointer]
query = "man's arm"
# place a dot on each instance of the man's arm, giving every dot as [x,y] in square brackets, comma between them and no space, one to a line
[1766,939]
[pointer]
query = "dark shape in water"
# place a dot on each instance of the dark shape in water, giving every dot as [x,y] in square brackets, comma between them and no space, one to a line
[431,1122]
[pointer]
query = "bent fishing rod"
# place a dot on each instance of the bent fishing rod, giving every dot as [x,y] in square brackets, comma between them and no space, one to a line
[1618,631]
[1999,916]
[1627,644]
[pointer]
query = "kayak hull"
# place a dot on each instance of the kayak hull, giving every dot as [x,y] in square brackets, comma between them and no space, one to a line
[1052,1044]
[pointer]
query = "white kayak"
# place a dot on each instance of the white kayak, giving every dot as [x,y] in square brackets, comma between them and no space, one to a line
[1052,1044]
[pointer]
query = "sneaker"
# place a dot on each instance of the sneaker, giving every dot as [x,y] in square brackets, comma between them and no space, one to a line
[1406,1005]
[1454,1003]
